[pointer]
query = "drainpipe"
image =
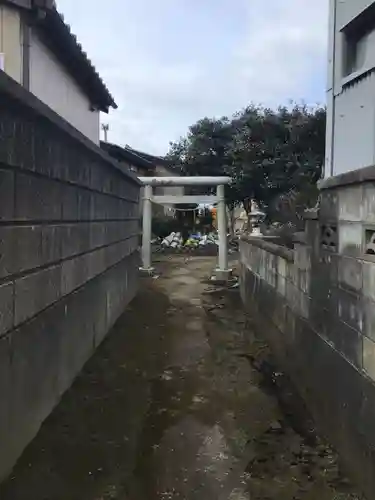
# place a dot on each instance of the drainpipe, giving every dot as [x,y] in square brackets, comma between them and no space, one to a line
[26,43]
[332,128]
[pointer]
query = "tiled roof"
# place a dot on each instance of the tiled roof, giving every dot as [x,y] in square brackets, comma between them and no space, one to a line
[126,155]
[159,160]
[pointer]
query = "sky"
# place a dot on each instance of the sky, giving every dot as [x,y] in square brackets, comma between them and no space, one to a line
[169,63]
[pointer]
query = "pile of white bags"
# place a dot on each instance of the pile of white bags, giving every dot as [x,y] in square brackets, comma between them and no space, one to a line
[175,240]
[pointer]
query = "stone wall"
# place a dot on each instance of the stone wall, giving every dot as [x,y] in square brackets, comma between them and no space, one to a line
[69,231]
[316,306]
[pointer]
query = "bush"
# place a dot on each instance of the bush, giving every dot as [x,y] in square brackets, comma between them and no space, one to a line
[163,227]
[185,222]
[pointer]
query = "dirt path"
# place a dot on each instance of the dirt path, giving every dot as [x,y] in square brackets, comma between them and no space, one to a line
[178,403]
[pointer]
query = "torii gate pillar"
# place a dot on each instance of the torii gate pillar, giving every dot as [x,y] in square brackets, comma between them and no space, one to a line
[222,271]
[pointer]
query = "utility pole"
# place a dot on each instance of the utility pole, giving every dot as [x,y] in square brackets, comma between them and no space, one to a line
[105,128]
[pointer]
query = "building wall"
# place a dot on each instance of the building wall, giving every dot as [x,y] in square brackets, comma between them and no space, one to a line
[69,229]
[354,125]
[316,306]
[162,171]
[11,42]
[350,98]
[50,82]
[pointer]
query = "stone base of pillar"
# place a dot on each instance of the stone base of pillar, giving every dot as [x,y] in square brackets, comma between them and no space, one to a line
[146,272]
[222,275]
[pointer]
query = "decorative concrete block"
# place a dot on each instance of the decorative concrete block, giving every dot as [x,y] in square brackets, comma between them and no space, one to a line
[328,237]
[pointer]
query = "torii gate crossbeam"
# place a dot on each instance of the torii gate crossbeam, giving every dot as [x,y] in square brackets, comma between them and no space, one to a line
[222,271]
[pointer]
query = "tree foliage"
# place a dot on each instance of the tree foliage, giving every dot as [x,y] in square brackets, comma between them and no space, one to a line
[272,156]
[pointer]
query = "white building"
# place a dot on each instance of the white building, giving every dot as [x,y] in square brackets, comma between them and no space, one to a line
[351,86]
[161,168]
[38,50]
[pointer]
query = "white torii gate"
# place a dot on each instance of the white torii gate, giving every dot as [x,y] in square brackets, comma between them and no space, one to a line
[222,272]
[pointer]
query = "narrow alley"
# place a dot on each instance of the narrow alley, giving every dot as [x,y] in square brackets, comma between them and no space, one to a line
[181,401]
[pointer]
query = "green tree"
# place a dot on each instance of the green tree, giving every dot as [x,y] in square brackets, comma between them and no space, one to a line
[270,155]
[204,151]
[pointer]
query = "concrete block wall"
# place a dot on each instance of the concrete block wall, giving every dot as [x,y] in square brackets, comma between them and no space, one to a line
[69,228]
[316,306]
[353,209]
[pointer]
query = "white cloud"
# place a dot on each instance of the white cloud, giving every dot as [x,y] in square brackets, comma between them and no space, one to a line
[168,63]
[285,45]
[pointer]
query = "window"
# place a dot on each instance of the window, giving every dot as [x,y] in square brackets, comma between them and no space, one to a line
[359,42]
[355,54]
